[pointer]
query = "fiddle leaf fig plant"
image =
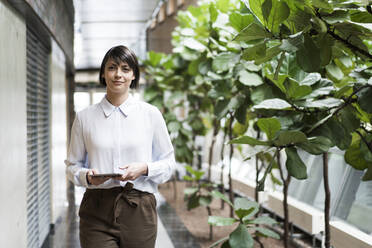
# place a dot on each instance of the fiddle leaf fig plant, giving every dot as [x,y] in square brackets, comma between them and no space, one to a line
[244,220]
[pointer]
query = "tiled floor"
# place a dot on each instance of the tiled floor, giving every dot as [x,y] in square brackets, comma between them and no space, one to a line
[171,231]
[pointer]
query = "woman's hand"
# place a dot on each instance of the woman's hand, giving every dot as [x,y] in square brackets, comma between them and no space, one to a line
[95,180]
[133,171]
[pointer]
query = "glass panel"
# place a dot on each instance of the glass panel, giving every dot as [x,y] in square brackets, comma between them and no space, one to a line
[336,173]
[306,190]
[97,97]
[81,100]
[355,205]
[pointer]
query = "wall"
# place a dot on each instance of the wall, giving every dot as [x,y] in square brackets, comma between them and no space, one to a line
[61,25]
[159,38]
[58,119]
[45,16]
[13,159]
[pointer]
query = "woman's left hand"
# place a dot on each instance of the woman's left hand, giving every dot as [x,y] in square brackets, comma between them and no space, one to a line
[133,171]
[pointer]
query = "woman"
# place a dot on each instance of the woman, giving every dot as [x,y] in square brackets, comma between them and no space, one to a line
[119,135]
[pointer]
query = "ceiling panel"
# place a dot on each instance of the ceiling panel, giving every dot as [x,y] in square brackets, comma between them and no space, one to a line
[101,24]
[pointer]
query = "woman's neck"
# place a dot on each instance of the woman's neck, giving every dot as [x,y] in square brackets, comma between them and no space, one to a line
[117,99]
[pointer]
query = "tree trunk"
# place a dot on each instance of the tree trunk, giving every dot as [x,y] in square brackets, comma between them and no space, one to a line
[286,182]
[215,132]
[327,202]
[257,172]
[174,181]
[231,191]
[210,226]
[223,167]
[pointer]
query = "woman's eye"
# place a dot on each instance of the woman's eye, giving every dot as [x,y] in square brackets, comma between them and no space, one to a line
[111,68]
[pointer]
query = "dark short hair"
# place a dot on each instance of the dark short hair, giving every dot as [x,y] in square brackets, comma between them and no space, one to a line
[121,54]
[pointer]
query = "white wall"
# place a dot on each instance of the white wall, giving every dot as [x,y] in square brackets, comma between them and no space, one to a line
[13,129]
[58,131]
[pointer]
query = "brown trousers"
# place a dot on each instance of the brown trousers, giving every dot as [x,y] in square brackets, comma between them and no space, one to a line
[118,217]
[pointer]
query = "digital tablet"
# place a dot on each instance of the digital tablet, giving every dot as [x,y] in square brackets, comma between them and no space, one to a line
[107,175]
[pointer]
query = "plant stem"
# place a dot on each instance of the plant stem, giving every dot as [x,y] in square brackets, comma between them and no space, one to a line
[349,45]
[257,172]
[174,180]
[369,145]
[286,182]
[327,202]
[231,192]
[223,166]
[210,226]
[215,132]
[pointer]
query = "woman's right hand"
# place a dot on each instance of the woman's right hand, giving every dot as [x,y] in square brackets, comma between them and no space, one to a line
[95,180]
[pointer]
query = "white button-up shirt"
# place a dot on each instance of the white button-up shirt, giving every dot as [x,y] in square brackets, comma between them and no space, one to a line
[105,137]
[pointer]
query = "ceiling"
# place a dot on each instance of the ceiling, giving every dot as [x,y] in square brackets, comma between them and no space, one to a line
[102,24]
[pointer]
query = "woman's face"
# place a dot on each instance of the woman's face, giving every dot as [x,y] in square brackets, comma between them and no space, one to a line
[118,77]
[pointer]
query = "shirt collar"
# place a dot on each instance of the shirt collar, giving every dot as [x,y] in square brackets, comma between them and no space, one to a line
[108,108]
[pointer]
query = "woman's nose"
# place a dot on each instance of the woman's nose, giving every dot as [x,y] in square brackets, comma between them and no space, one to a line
[118,73]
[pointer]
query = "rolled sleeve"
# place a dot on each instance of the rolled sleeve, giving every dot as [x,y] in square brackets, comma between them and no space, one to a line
[161,168]
[76,157]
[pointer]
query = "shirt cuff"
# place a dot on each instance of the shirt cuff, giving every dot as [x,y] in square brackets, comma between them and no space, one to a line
[83,177]
[153,169]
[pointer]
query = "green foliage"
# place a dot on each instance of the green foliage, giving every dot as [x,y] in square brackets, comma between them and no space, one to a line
[199,195]
[297,71]
[244,215]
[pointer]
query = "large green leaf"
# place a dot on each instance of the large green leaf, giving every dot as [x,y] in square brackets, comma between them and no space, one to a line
[354,155]
[365,99]
[278,14]
[253,31]
[334,71]
[289,137]
[250,78]
[296,91]
[194,44]
[249,141]
[267,232]
[192,202]
[293,43]
[278,80]
[190,191]
[225,61]
[256,7]
[154,58]
[325,44]
[239,21]
[223,5]
[349,119]
[275,103]
[240,238]
[220,221]
[368,175]
[174,126]
[213,12]
[323,103]
[262,220]
[294,164]
[339,135]
[255,52]
[311,79]
[270,53]
[316,145]
[245,208]
[219,195]
[270,126]
[221,108]
[205,200]
[308,56]
[360,16]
